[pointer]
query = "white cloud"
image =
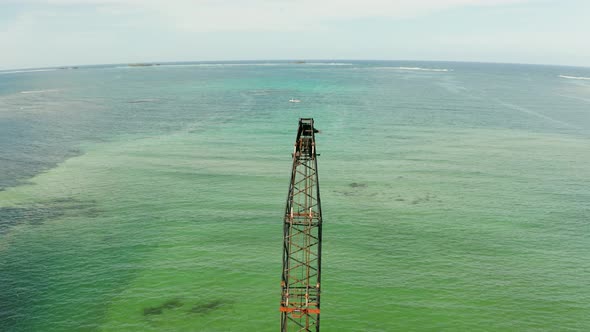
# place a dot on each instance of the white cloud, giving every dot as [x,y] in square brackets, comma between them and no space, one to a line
[273,15]
[277,15]
[266,15]
[106,31]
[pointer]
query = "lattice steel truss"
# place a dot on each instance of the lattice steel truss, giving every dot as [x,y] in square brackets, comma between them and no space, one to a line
[302,245]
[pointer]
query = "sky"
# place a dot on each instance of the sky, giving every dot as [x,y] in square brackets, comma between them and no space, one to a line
[43,33]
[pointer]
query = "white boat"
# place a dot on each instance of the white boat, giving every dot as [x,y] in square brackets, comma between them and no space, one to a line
[293,100]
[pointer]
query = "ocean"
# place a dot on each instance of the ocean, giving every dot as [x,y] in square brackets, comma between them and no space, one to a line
[455,195]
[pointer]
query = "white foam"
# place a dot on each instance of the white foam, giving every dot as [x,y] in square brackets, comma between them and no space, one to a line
[203,65]
[325,64]
[413,69]
[221,65]
[255,64]
[26,71]
[227,64]
[40,91]
[575,77]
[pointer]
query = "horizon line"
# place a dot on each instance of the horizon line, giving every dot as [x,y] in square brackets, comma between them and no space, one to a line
[293,60]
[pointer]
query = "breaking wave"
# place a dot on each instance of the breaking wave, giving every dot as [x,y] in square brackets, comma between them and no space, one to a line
[26,71]
[214,65]
[40,91]
[574,77]
[327,64]
[413,69]
[202,65]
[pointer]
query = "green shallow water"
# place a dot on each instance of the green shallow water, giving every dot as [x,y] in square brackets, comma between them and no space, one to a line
[151,199]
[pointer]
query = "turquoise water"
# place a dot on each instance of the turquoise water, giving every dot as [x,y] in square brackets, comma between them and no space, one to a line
[455,195]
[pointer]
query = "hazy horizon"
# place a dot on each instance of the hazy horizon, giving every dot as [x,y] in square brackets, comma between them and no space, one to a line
[180,62]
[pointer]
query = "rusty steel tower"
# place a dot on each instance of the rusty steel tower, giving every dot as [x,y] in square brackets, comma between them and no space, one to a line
[302,244]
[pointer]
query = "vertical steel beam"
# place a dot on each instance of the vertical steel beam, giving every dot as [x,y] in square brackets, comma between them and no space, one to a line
[302,238]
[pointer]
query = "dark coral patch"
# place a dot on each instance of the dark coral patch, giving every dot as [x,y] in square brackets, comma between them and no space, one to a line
[204,308]
[37,214]
[170,304]
[152,311]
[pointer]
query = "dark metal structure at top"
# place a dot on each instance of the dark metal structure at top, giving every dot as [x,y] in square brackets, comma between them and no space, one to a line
[302,243]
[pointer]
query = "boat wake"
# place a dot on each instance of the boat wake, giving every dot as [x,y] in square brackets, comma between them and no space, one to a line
[536,114]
